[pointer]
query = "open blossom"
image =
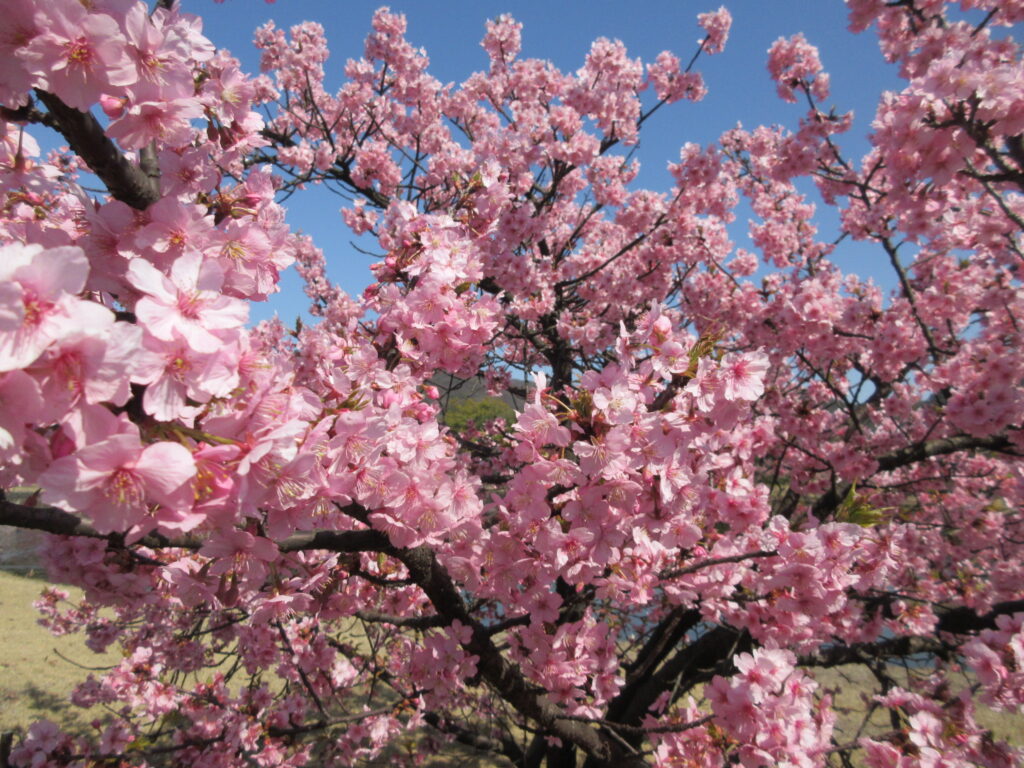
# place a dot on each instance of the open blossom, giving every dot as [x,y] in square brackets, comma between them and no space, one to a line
[742,376]
[158,53]
[175,229]
[233,549]
[188,304]
[146,121]
[671,83]
[114,481]
[175,373]
[249,259]
[19,27]
[794,63]
[20,405]
[37,299]
[184,172]
[79,56]
[90,362]
[503,41]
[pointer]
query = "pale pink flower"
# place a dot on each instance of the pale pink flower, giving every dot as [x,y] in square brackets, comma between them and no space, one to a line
[174,372]
[158,54]
[18,30]
[742,376]
[79,56]
[248,259]
[163,121]
[20,405]
[186,173]
[187,304]
[113,481]
[232,548]
[229,93]
[37,290]
[794,63]
[175,229]
[705,385]
[716,24]
[91,362]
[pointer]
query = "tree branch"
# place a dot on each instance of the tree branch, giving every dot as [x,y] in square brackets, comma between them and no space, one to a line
[409,622]
[53,520]
[425,571]
[472,738]
[493,667]
[912,454]
[125,181]
[921,451]
[958,621]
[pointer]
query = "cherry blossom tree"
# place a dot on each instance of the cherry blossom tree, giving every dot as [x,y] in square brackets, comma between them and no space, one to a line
[728,472]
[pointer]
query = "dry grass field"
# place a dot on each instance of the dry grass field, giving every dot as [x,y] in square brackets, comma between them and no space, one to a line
[38,670]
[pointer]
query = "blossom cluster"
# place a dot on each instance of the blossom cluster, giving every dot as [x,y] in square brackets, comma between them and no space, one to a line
[716,476]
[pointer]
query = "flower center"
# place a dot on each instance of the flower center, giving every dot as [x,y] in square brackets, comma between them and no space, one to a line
[124,489]
[189,304]
[234,250]
[35,308]
[78,52]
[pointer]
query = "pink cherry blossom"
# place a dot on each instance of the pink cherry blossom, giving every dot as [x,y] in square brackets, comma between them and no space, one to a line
[114,480]
[79,55]
[37,299]
[702,474]
[716,24]
[145,121]
[175,373]
[743,377]
[186,304]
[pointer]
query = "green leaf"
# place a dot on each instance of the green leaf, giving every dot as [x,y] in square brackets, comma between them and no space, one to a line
[857,510]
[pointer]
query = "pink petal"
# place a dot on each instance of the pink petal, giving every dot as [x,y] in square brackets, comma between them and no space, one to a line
[148,279]
[56,271]
[166,469]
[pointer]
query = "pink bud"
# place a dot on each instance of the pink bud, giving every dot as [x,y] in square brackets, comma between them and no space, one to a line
[113,106]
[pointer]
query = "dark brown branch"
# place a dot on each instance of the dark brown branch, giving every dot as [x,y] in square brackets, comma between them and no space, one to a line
[493,667]
[425,571]
[690,665]
[863,653]
[921,451]
[6,743]
[53,520]
[125,181]
[666,636]
[908,292]
[718,561]
[963,620]
[337,541]
[958,621]
[912,454]
[28,114]
[472,738]
[679,380]
[409,622]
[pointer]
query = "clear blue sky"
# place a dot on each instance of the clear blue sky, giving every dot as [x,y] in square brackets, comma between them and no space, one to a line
[739,88]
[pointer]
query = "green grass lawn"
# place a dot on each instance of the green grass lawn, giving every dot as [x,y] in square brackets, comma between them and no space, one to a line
[37,669]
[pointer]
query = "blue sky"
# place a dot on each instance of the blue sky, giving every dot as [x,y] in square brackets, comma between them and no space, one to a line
[739,88]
